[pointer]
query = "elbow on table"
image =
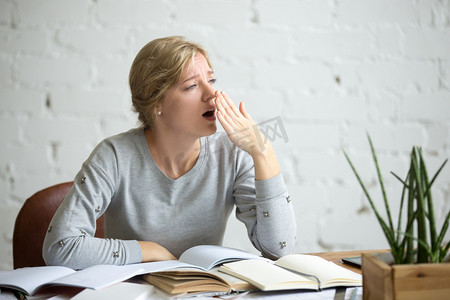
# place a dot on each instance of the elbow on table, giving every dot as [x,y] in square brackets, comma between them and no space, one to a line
[276,242]
[275,250]
[280,250]
[54,254]
[51,258]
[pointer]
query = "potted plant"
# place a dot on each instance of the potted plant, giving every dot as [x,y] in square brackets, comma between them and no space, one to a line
[417,268]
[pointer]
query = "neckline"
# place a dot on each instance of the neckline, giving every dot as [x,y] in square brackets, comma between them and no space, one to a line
[157,171]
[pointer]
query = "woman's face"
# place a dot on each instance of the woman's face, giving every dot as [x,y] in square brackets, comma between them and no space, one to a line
[188,107]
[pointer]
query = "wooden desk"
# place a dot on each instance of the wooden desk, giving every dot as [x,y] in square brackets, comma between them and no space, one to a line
[337,257]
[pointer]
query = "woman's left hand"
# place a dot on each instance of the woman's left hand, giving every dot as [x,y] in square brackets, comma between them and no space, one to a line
[245,134]
[239,126]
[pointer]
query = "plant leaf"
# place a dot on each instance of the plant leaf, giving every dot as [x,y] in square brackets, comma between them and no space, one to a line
[399,179]
[387,232]
[407,238]
[436,174]
[402,202]
[444,252]
[429,200]
[380,179]
[421,217]
[412,215]
[425,247]
[441,236]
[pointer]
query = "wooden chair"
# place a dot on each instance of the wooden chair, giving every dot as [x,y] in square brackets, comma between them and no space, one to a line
[32,223]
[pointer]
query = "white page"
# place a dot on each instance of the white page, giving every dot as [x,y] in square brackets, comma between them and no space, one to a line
[292,295]
[99,276]
[158,266]
[321,268]
[31,278]
[208,256]
[123,290]
[266,276]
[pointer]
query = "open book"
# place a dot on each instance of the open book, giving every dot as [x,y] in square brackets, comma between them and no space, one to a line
[201,274]
[30,280]
[294,271]
[191,281]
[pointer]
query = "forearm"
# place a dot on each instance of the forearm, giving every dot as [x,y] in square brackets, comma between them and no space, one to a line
[79,252]
[266,163]
[275,228]
[269,218]
[154,252]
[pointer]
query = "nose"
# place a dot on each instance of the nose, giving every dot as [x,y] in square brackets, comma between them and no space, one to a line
[209,93]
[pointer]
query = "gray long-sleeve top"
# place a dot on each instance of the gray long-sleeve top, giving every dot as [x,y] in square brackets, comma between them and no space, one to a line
[121,180]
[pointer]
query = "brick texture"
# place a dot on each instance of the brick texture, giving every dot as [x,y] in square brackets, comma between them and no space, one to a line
[330,71]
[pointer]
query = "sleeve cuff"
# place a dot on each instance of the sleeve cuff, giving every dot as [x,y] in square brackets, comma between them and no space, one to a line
[134,252]
[270,188]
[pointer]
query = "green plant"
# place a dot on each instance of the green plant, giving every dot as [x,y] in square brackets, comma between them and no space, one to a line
[419,241]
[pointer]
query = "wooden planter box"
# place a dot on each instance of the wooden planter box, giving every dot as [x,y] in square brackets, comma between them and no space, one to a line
[399,282]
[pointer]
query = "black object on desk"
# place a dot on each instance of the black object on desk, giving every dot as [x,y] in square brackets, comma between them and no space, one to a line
[354,261]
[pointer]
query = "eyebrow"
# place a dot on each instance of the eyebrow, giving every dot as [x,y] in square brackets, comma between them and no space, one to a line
[210,72]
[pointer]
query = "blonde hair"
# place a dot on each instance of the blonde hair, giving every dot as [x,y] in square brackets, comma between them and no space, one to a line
[156,68]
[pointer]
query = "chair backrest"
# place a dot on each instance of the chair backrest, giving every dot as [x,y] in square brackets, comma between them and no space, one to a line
[32,223]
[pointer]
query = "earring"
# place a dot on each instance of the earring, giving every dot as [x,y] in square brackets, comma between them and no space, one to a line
[159,113]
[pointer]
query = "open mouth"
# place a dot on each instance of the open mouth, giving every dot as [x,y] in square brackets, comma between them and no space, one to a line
[210,114]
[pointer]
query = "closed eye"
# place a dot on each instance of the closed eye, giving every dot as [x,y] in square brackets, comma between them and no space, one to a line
[212,81]
[190,87]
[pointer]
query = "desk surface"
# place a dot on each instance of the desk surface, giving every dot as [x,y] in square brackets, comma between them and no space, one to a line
[336,257]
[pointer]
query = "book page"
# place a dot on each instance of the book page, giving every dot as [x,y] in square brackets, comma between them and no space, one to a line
[208,256]
[327,272]
[123,290]
[236,283]
[267,276]
[159,266]
[189,273]
[99,276]
[327,294]
[30,279]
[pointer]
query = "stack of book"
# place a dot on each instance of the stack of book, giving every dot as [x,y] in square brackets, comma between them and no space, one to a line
[201,269]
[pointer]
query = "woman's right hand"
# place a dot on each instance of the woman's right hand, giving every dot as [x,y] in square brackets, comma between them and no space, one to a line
[154,252]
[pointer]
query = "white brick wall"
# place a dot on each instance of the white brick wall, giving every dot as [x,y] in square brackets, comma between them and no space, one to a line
[331,69]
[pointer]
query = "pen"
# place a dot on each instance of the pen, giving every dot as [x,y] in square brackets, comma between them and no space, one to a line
[19,295]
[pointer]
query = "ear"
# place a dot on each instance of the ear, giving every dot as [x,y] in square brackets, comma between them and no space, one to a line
[157,110]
